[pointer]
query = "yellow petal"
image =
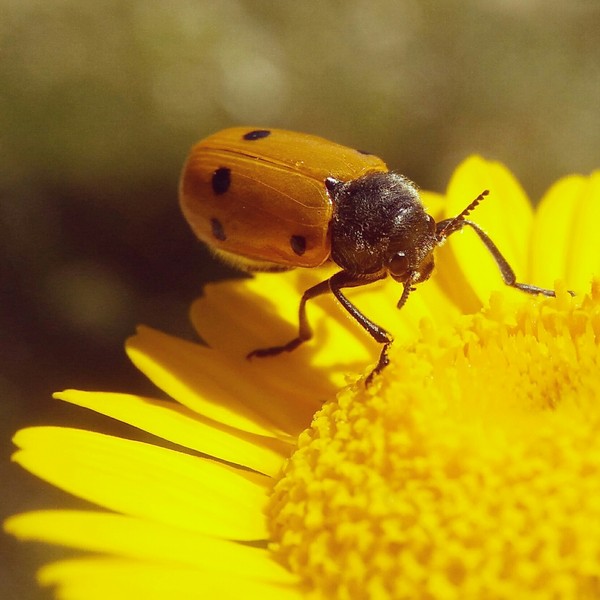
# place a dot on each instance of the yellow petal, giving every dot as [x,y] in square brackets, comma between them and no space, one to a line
[565,240]
[101,578]
[182,426]
[233,312]
[131,537]
[187,491]
[222,390]
[434,203]
[584,257]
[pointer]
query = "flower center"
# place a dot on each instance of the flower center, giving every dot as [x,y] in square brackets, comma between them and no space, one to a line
[473,471]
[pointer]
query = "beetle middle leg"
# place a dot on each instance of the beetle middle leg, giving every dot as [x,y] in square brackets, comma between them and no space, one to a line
[304,328]
[342,279]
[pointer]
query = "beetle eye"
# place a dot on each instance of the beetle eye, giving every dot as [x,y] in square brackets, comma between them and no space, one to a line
[399,267]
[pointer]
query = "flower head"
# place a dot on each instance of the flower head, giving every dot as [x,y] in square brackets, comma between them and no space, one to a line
[474,471]
[470,468]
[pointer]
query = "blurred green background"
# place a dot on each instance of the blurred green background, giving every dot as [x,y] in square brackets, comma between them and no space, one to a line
[100,101]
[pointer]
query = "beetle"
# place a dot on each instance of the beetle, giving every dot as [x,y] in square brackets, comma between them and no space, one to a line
[272,200]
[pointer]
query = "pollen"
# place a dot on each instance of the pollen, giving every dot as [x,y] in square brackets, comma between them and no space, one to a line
[469,469]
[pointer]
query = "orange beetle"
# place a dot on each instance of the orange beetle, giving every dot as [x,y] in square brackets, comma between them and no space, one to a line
[269,199]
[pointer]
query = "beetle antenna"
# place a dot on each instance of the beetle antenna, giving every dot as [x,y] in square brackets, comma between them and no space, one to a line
[449,226]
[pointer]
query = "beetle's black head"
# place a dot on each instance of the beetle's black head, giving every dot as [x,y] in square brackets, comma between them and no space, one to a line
[379,226]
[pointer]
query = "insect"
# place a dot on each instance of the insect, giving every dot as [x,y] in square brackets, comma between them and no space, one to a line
[272,200]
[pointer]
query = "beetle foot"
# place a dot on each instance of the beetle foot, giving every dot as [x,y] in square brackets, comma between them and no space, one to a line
[274,350]
[382,363]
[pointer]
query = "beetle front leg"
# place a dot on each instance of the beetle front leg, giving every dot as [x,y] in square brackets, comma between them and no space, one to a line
[508,275]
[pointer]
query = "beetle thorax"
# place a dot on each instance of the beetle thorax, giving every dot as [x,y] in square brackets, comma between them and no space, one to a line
[377,217]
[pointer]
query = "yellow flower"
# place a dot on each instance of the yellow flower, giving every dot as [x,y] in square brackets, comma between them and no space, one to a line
[469,469]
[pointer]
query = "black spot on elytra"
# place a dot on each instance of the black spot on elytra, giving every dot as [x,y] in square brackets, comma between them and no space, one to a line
[221,180]
[217,229]
[257,134]
[298,244]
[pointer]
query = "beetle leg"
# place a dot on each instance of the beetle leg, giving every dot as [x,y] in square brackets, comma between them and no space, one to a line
[508,275]
[341,279]
[304,329]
